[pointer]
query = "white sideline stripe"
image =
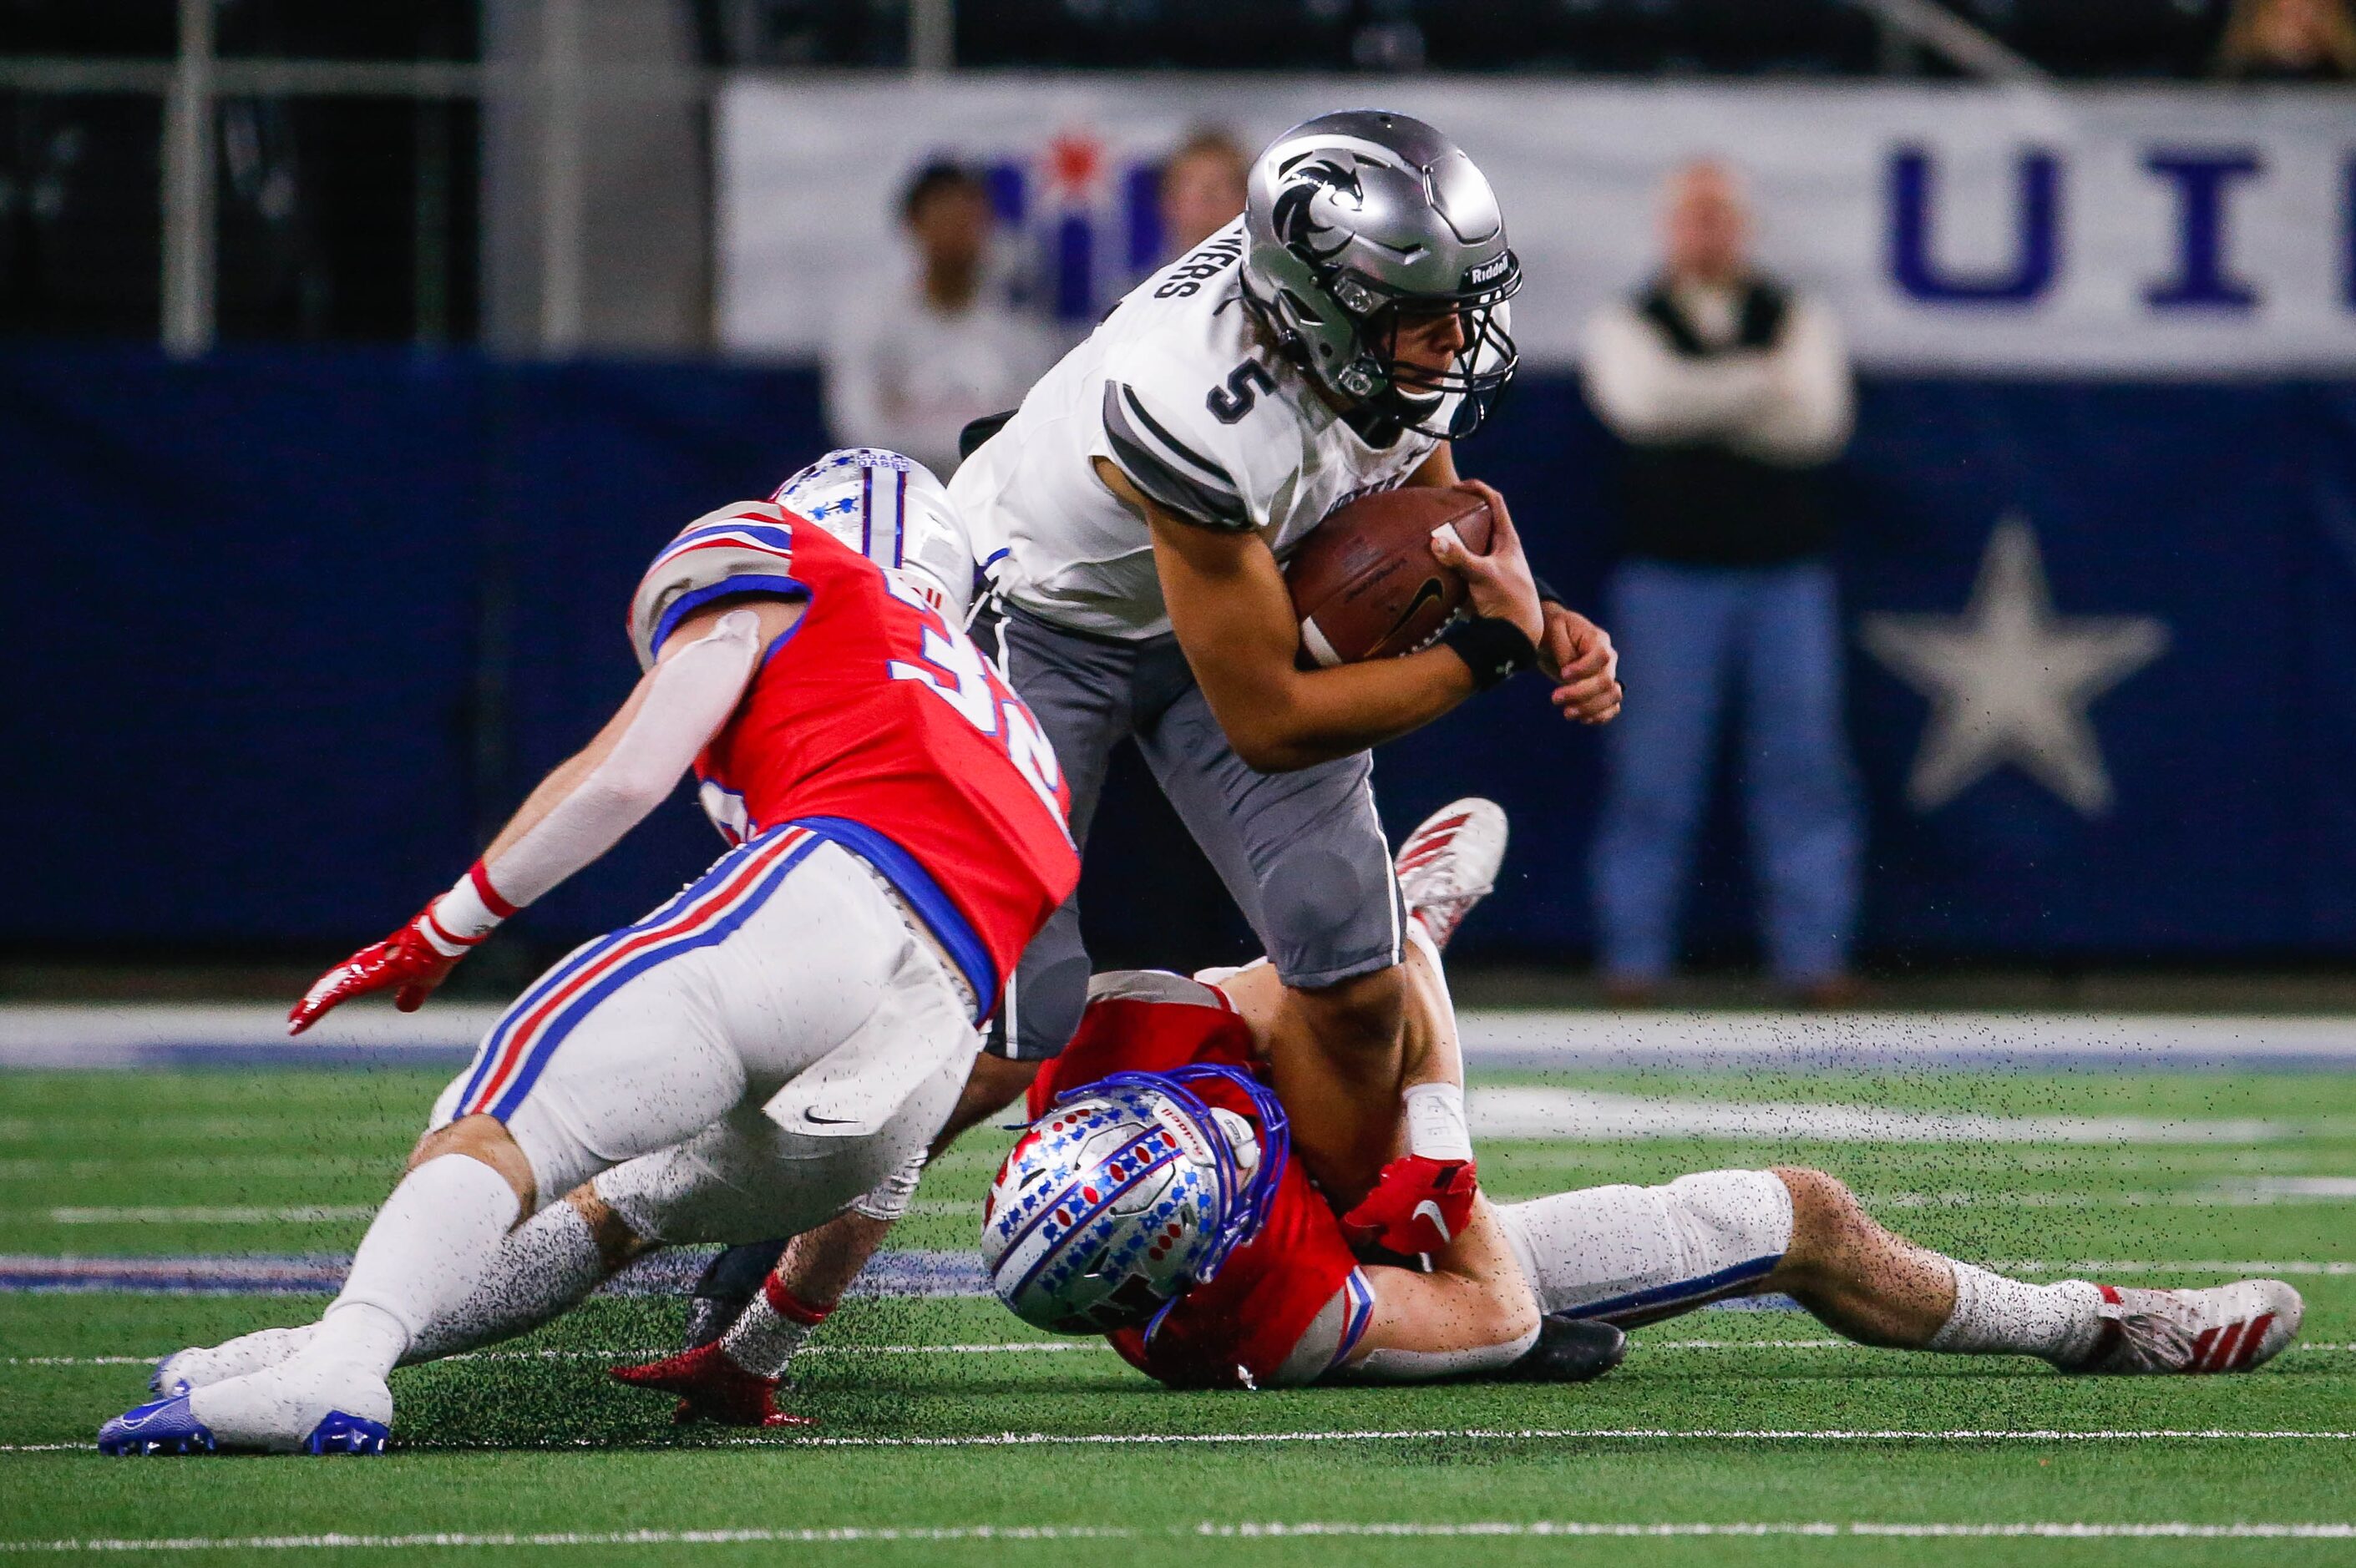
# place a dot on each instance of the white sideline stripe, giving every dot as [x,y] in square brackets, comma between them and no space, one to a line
[844,1534]
[2261,1193]
[1455,1433]
[297,1214]
[1582,1115]
[2231,1195]
[1007,1347]
[128,1034]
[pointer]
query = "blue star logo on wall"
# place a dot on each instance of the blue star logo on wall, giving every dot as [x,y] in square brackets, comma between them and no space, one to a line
[2010,680]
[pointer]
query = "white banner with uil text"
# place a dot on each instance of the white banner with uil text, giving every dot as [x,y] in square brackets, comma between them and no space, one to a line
[2170,232]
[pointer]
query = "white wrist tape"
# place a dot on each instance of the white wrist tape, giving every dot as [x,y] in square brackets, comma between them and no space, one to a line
[465,914]
[1435,1122]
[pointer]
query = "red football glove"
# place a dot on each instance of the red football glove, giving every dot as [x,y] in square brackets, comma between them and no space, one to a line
[1419,1205]
[712,1388]
[407,958]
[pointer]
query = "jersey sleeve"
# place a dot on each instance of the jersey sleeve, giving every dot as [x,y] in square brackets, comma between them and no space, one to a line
[748,547]
[1162,433]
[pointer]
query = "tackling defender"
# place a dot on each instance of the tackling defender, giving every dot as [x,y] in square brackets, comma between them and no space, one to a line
[1085,1237]
[792,1027]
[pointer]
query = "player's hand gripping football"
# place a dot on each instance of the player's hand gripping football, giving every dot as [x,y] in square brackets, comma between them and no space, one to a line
[1419,1205]
[1500,582]
[408,959]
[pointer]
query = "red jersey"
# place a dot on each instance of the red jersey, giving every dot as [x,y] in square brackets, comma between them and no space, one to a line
[877,724]
[1240,1328]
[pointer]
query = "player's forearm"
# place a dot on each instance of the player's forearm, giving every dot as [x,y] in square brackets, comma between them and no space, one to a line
[1290,719]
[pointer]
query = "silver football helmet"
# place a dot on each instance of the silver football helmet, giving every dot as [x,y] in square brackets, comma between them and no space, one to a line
[891,510]
[1350,218]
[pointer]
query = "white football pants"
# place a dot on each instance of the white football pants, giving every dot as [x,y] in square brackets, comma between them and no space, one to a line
[778,1038]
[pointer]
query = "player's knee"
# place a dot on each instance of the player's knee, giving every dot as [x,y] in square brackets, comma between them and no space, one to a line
[617,1242]
[1826,1218]
[484,1138]
[1365,1013]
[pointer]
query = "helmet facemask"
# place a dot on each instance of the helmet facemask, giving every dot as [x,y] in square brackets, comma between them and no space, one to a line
[1419,400]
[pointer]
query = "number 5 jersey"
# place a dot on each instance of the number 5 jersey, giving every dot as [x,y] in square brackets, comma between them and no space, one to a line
[1183,391]
[877,724]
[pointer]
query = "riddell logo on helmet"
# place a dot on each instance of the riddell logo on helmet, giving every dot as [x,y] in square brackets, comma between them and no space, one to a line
[1488,271]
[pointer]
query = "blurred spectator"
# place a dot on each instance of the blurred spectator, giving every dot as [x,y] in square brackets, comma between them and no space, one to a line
[1202,189]
[1732,393]
[2289,40]
[914,363]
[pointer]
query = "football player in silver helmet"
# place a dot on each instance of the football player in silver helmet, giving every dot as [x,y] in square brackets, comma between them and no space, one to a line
[1333,340]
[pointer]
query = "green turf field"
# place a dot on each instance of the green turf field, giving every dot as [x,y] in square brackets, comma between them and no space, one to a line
[950,1432]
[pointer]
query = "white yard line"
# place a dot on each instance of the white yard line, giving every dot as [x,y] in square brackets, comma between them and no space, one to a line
[1017,1347]
[1442,1433]
[2074,1530]
[2241,1268]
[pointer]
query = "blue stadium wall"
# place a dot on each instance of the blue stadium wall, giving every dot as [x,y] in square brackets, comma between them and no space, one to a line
[286,631]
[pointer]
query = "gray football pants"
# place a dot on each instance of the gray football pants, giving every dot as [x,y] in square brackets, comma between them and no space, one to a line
[1301,853]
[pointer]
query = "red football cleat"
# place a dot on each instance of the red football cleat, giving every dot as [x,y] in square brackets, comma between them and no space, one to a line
[712,1388]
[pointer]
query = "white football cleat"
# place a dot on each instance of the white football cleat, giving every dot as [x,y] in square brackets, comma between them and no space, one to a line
[298,1406]
[2224,1328]
[1449,863]
[185,1370]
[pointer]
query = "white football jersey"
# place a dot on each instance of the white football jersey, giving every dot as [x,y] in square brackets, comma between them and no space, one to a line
[1182,391]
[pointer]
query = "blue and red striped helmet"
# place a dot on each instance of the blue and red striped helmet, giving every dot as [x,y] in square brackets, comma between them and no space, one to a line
[1128,1191]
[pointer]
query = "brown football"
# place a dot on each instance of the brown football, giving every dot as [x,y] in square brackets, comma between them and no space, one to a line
[1365,584]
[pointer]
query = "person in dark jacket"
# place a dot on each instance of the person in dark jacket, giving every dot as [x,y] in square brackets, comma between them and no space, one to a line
[1732,393]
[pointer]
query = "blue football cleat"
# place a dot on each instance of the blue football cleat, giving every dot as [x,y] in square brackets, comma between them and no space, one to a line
[160,1426]
[168,1426]
[342,1433]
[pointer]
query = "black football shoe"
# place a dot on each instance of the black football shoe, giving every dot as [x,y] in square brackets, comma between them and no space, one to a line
[729,1280]
[1569,1350]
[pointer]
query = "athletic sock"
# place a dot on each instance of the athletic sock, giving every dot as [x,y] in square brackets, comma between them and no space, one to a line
[771,1329]
[425,1254]
[1999,1317]
[542,1269]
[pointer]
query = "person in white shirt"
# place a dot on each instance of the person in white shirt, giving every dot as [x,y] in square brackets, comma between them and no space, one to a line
[1202,189]
[914,364]
[1732,394]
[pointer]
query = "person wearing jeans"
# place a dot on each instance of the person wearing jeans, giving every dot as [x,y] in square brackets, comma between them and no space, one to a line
[1732,394]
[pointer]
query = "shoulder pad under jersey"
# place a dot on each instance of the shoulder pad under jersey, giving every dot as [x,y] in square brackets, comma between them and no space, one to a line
[743,547]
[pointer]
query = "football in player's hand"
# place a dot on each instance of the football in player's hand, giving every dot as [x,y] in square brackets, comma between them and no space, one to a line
[1365,584]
